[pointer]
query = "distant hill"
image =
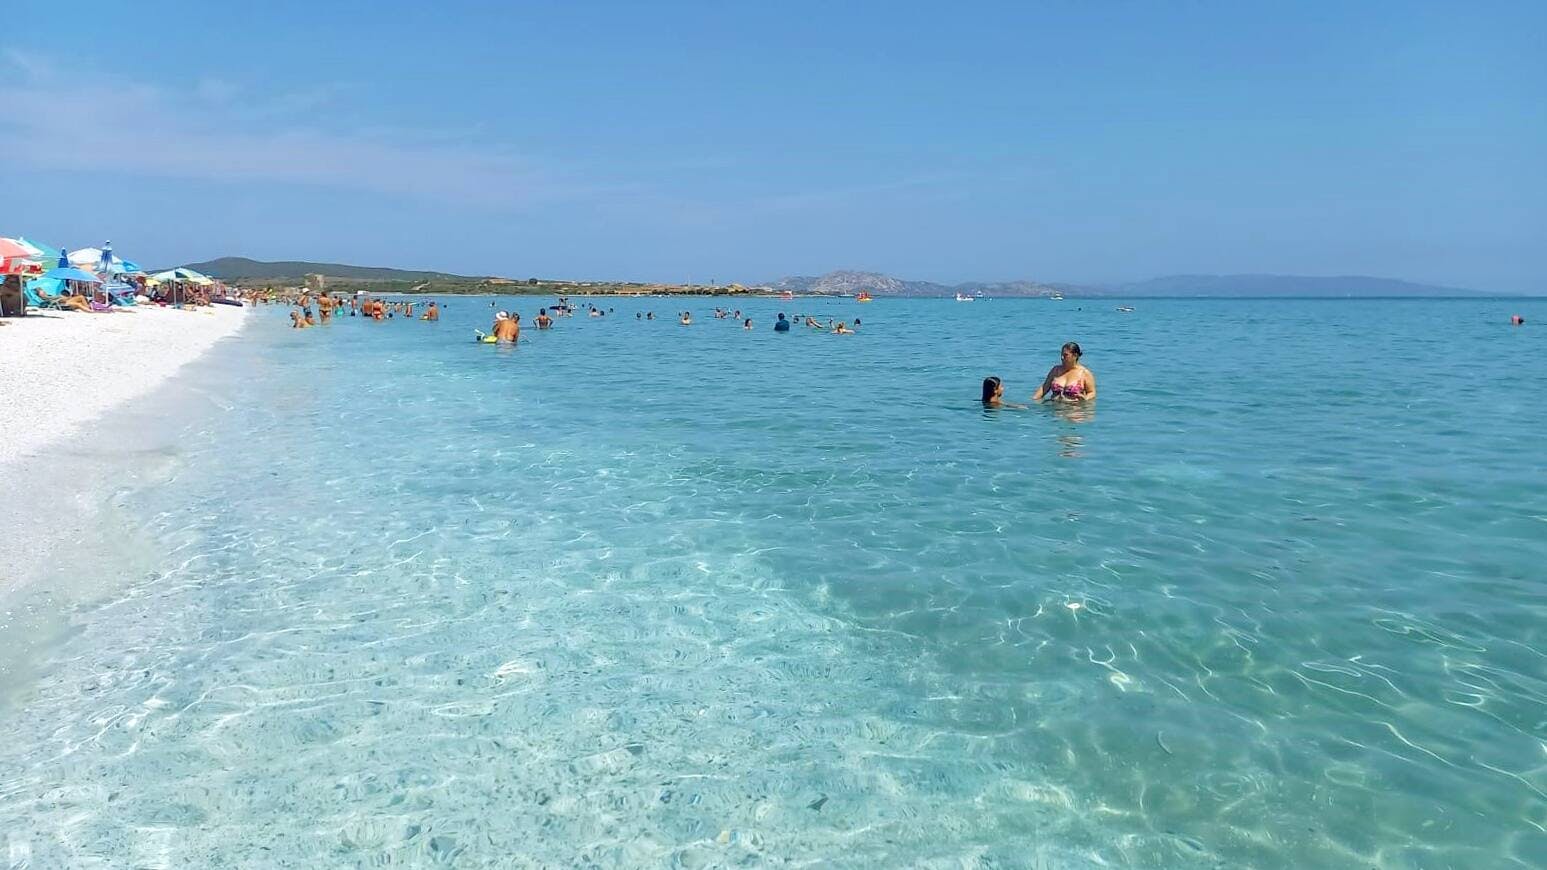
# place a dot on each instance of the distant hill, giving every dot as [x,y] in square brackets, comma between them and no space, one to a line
[233,268]
[850,283]
[1266,286]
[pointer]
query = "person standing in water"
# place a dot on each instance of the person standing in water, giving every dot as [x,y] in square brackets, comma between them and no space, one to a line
[781,325]
[543,320]
[433,312]
[1069,381]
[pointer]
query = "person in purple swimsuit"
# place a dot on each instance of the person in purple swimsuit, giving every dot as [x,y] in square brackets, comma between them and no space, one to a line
[1068,381]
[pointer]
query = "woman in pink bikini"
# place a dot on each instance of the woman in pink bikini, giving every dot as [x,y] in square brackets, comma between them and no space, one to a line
[1068,381]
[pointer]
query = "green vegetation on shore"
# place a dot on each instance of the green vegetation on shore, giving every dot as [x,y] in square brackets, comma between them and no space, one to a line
[338,278]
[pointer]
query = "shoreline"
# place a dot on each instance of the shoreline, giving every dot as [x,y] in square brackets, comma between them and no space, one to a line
[85,403]
[64,370]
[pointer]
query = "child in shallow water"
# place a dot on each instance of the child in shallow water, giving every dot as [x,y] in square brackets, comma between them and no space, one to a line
[993,394]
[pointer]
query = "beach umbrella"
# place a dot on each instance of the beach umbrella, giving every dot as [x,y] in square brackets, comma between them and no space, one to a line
[70,273]
[15,258]
[64,259]
[40,251]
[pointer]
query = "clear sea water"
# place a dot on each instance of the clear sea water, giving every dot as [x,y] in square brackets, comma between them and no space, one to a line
[634,594]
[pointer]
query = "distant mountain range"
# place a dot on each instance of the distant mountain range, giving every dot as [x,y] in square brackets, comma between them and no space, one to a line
[849,283]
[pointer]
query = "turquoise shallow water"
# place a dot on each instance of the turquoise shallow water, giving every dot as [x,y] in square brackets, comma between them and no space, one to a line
[636,594]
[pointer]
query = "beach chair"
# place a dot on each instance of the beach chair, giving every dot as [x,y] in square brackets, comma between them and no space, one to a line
[119,294]
[36,299]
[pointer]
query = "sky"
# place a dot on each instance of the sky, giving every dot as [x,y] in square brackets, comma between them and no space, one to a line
[1067,141]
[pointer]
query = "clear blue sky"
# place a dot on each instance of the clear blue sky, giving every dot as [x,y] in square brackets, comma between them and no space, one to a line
[735,141]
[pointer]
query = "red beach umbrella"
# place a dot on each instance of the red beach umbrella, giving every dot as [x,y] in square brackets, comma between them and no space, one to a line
[15,259]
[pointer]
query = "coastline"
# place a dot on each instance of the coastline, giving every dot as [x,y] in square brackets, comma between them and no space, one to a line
[62,371]
[71,378]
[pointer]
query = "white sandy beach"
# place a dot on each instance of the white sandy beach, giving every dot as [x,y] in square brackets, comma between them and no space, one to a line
[62,370]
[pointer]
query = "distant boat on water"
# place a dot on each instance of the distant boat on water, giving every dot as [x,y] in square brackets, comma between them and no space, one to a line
[787,296]
[962,297]
[1056,296]
[862,297]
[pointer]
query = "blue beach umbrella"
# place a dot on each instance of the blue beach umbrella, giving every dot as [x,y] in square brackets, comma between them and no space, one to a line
[70,273]
[64,259]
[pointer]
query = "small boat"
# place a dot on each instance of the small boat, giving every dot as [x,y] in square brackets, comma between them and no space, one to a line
[962,297]
[1125,309]
[1056,297]
[862,297]
[787,296]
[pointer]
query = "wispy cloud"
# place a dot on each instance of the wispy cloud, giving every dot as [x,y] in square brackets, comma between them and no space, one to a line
[56,119]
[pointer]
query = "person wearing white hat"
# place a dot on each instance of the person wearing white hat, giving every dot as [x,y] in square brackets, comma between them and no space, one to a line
[507,328]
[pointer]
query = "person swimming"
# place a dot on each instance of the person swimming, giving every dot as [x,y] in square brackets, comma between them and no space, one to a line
[842,329]
[748,324]
[781,325]
[993,394]
[1068,381]
[686,319]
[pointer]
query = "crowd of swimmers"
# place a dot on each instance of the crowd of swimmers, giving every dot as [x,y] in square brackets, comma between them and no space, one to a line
[1068,381]
[327,307]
